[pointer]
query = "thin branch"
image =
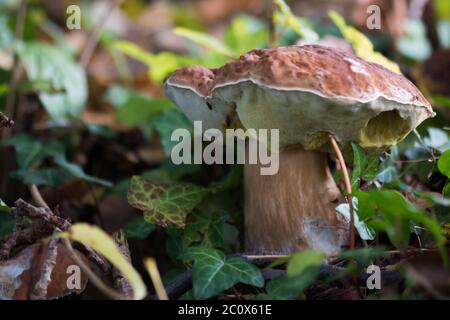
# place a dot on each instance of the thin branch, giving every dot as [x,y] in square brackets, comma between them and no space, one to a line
[91,275]
[91,43]
[37,197]
[348,189]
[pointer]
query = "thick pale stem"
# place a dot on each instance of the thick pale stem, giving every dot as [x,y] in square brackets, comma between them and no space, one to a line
[295,208]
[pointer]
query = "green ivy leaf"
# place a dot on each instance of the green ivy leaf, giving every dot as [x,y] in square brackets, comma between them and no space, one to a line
[49,177]
[204,229]
[45,62]
[444,163]
[76,171]
[29,150]
[166,122]
[364,167]
[165,204]
[139,228]
[213,273]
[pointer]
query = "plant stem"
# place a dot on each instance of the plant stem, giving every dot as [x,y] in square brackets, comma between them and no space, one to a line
[348,190]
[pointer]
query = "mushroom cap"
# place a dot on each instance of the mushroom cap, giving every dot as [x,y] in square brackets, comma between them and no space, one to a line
[307,92]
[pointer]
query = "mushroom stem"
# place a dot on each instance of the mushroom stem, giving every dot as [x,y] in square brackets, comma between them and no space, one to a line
[295,208]
[348,190]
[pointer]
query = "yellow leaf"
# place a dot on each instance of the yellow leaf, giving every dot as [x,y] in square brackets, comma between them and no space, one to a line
[361,44]
[97,239]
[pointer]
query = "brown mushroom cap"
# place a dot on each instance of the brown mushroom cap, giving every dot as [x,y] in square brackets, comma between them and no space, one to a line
[305,91]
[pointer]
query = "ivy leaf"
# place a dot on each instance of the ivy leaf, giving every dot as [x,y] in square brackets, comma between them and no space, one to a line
[45,62]
[76,171]
[204,229]
[213,273]
[166,122]
[49,177]
[165,204]
[28,149]
[364,167]
[444,163]
[361,44]
[139,228]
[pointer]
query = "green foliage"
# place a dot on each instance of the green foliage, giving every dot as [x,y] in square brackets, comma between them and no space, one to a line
[205,229]
[444,163]
[302,270]
[44,62]
[283,17]
[50,176]
[165,204]
[361,44]
[414,43]
[206,41]
[246,33]
[213,273]
[139,228]
[168,121]
[160,65]
[32,152]
[301,261]
[139,109]
[389,211]
[6,36]
[364,167]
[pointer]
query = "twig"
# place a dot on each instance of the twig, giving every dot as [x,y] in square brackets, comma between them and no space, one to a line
[37,197]
[91,43]
[348,189]
[91,275]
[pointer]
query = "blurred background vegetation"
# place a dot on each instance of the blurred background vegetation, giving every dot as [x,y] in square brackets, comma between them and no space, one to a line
[89,114]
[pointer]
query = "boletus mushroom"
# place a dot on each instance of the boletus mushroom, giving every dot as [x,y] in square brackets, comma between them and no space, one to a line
[308,92]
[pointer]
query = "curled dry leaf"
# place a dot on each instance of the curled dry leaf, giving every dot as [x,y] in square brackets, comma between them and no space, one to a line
[40,271]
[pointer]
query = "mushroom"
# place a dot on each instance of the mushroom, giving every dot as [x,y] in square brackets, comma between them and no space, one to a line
[308,92]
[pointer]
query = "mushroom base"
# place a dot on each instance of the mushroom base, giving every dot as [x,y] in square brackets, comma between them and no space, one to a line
[295,209]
